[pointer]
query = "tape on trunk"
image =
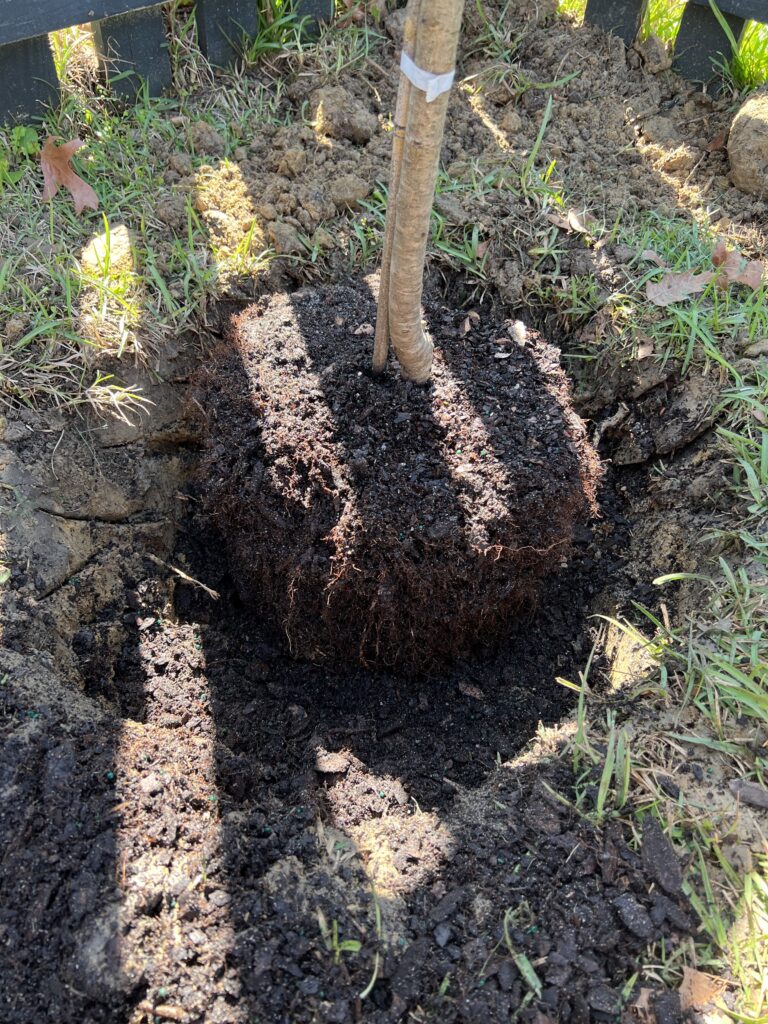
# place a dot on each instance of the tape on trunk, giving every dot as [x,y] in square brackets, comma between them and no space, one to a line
[432,85]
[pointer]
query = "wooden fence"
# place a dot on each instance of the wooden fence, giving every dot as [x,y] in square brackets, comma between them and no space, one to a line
[700,38]
[129,36]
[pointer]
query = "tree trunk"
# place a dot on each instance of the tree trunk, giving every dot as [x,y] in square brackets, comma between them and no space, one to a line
[381,341]
[437,34]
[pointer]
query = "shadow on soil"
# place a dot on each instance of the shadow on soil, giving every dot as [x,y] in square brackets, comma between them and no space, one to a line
[368,809]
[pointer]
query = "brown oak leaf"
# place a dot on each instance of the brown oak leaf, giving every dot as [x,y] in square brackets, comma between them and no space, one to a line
[735,269]
[57,170]
[674,287]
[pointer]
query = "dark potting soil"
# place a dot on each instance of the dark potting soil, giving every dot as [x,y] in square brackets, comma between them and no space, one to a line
[203,849]
[382,522]
[237,835]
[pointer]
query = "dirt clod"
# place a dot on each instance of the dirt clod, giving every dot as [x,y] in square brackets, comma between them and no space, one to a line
[748,146]
[340,115]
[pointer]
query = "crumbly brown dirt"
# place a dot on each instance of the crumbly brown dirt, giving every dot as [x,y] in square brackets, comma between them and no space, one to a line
[624,142]
[191,819]
[379,521]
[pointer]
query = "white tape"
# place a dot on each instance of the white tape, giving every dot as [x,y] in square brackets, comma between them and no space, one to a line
[432,85]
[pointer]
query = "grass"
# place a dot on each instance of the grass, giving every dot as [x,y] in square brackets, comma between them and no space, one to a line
[713,666]
[743,68]
[66,325]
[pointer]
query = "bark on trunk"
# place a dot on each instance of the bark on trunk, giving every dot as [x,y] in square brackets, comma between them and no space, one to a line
[381,341]
[437,34]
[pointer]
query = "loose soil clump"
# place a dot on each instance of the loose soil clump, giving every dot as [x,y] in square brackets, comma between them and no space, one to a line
[377,520]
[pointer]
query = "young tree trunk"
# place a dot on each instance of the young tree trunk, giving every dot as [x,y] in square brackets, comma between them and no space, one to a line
[381,341]
[437,34]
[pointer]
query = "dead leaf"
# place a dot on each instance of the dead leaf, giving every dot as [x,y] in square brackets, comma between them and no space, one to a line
[559,221]
[57,170]
[653,257]
[751,793]
[645,347]
[582,224]
[698,989]
[674,287]
[735,268]
[718,142]
[473,317]
[470,690]
[751,275]
[641,1006]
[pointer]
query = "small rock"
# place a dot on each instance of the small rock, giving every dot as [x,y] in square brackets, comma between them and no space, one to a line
[634,917]
[748,146]
[284,237]
[338,114]
[331,763]
[395,25]
[659,858]
[219,898]
[603,999]
[206,139]
[348,189]
[660,130]
[293,162]
[451,209]
[111,252]
[511,122]
[667,1008]
[443,934]
[197,937]
[150,785]
[181,163]
[655,55]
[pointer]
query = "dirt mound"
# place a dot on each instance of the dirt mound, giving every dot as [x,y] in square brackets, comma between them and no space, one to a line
[377,520]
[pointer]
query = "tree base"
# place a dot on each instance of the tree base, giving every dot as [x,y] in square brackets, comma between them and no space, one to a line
[379,521]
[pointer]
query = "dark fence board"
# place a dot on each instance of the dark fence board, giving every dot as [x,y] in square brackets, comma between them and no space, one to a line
[27,78]
[136,43]
[21,19]
[701,39]
[750,10]
[622,17]
[317,11]
[221,25]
